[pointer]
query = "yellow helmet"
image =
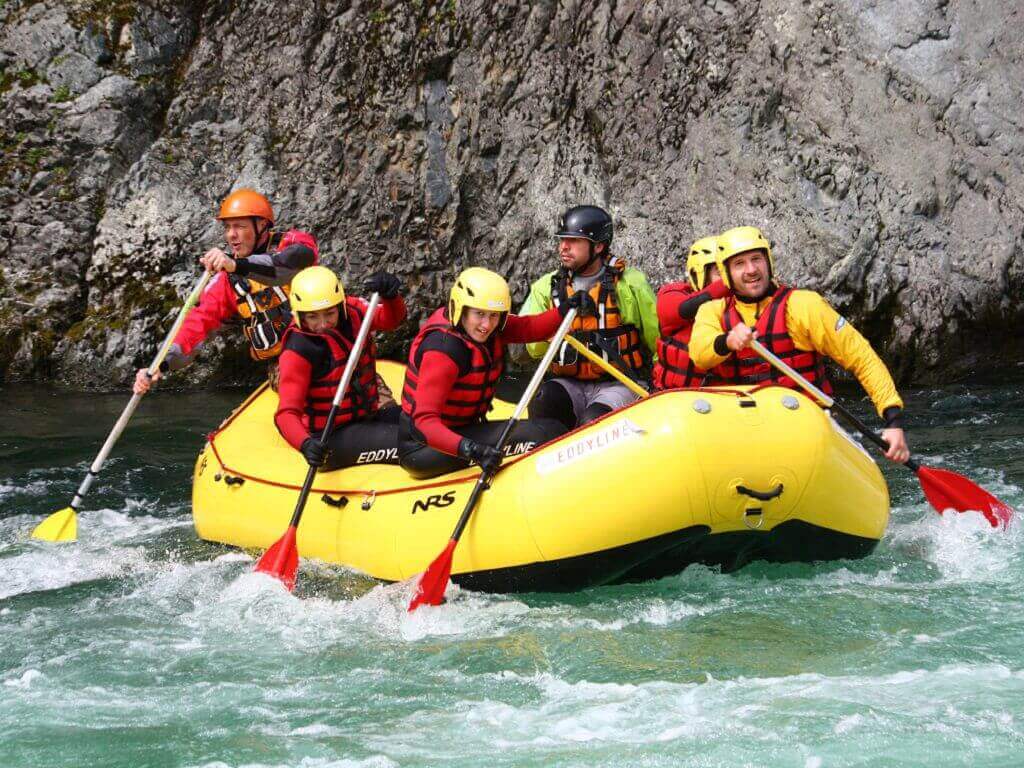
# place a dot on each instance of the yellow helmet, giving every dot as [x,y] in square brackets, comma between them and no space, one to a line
[703,253]
[479,288]
[739,240]
[316,288]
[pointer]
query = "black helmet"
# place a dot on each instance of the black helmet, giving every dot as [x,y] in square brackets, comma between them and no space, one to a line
[587,221]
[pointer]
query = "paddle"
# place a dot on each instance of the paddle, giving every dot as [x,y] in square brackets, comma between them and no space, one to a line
[63,524]
[434,581]
[599,361]
[943,489]
[282,559]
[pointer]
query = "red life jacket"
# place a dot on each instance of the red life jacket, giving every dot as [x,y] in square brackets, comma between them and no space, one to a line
[470,397]
[361,400]
[747,367]
[674,367]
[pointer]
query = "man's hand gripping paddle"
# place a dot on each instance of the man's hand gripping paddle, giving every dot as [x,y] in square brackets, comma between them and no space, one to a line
[282,559]
[63,524]
[434,581]
[943,489]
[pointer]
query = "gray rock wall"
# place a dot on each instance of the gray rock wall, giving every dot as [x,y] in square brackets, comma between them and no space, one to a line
[877,142]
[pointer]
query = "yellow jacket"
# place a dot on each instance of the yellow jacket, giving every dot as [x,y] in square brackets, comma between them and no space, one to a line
[814,327]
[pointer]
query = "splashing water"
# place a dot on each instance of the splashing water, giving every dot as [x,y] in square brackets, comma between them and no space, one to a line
[140,645]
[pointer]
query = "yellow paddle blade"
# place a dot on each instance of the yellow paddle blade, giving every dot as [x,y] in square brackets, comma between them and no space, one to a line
[60,526]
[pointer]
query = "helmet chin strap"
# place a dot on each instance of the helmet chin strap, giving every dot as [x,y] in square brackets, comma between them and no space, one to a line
[591,255]
[261,237]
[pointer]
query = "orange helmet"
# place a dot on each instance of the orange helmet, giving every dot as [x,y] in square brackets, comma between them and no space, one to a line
[245,203]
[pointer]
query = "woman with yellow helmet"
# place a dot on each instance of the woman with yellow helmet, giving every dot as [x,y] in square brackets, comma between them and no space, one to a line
[454,365]
[677,307]
[316,349]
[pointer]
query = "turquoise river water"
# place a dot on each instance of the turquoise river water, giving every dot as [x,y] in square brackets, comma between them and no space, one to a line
[142,646]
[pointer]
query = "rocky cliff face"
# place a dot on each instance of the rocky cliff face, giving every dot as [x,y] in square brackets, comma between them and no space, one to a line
[877,142]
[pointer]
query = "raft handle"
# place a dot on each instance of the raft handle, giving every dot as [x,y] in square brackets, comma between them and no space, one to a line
[229,479]
[774,493]
[337,503]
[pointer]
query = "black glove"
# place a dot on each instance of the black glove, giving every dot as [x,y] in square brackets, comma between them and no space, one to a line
[314,453]
[582,302]
[384,283]
[486,456]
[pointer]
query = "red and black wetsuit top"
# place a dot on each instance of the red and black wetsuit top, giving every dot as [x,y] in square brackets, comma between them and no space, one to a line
[311,366]
[677,307]
[747,367]
[451,379]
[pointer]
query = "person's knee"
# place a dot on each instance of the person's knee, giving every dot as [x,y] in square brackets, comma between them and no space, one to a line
[542,430]
[594,411]
[552,401]
[424,462]
[415,464]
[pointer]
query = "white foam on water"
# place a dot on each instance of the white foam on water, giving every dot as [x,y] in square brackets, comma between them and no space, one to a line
[962,546]
[9,492]
[26,679]
[55,566]
[106,547]
[317,729]
[376,761]
[848,723]
[563,712]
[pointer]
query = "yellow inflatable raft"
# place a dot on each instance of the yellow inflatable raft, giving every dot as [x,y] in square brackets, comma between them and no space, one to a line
[718,476]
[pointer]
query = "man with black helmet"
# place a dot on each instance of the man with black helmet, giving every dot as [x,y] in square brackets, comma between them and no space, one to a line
[619,322]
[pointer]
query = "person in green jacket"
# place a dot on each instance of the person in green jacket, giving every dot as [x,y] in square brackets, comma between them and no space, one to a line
[620,322]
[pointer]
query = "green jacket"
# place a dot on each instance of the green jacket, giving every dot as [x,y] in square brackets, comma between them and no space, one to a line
[635,297]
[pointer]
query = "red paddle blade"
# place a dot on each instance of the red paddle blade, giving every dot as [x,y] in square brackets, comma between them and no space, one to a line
[434,581]
[282,560]
[948,490]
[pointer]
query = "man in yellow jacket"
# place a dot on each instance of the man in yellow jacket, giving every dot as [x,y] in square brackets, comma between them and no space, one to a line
[798,326]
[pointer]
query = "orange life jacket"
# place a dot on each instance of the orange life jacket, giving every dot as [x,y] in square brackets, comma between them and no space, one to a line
[619,344]
[264,308]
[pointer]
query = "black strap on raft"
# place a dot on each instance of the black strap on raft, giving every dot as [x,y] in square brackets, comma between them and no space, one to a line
[761,495]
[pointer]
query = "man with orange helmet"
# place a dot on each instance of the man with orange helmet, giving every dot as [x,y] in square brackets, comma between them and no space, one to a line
[251,283]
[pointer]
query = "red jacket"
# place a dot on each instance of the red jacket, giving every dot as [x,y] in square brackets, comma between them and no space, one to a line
[439,373]
[296,373]
[677,307]
[295,251]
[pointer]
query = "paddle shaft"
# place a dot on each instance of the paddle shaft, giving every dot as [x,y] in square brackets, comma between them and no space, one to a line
[129,409]
[484,482]
[827,401]
[599,361]
[339,393]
